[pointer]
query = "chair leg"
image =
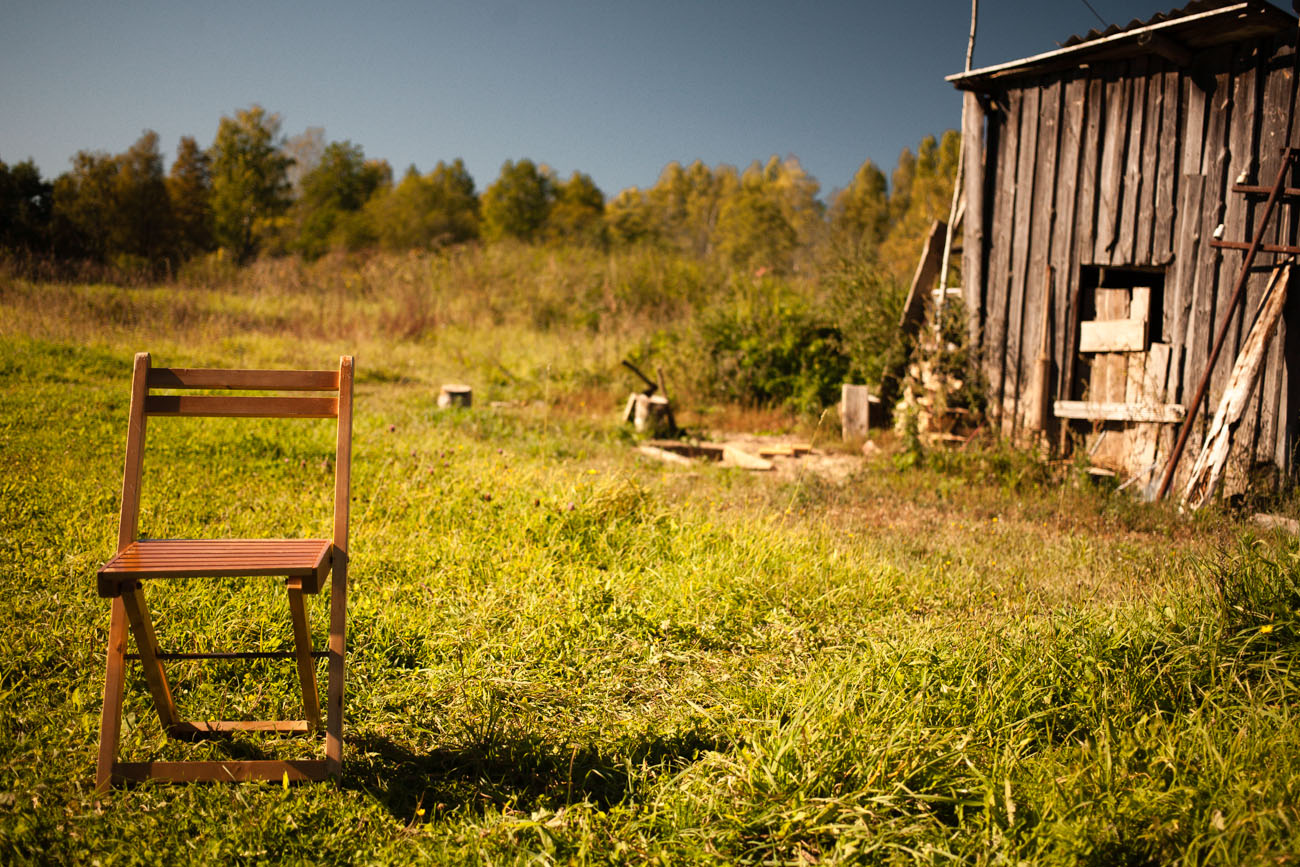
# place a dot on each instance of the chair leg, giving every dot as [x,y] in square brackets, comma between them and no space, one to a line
[110,724]
[137,614]
[337,646]
[302,651]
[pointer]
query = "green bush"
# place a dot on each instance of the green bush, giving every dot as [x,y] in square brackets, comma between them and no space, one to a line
[769,347]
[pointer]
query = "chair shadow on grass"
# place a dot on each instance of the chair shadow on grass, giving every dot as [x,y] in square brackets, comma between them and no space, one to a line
[520,769]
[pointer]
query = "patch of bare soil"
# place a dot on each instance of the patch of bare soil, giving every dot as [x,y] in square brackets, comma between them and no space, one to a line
[780,457]
[830,465]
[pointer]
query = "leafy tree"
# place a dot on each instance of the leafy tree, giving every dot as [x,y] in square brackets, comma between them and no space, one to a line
[427,211]
[83,210]
[794,192]
[689,202]
[26,201]
[115,207]
[141,210]
[922,194]
[249,182]
[189,189]
[517,203]
[753,233]
[333,194]
[306,150]
[629,218]
[859,216]
[578,212]
[900,189]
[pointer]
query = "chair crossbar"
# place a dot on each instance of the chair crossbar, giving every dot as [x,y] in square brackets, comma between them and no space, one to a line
[222,406]
[233,654]
[245,380]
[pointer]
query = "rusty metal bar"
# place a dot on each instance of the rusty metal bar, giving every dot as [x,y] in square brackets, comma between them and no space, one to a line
[1288,154]
[1263,248]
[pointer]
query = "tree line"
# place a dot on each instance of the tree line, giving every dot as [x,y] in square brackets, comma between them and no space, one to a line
[255,192]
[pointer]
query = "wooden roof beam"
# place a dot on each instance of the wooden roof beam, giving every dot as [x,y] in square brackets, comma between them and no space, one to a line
[1248,19]
[1170,49]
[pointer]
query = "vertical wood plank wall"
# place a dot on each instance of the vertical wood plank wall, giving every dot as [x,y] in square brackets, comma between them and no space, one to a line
[1131,163]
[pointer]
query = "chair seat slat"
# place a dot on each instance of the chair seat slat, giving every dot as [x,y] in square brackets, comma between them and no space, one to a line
[224,558]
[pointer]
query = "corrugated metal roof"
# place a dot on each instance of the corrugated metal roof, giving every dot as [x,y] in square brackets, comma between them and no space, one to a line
[1178,35]
[1193,8]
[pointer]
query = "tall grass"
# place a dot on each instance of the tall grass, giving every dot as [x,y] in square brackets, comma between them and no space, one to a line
[561,652]
[527,319]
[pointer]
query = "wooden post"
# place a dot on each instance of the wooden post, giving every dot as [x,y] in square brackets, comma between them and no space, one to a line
[1043,368]
[855,414]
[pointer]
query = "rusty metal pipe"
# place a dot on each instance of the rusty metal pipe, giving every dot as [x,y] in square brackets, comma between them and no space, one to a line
[1288,153]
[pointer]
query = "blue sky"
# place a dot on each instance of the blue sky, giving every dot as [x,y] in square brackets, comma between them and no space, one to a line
[616,89]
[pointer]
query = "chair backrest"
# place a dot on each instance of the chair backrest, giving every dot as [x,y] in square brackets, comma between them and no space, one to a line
[144,404]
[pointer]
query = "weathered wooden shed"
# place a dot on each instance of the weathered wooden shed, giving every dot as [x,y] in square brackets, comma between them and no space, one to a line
[1103,179]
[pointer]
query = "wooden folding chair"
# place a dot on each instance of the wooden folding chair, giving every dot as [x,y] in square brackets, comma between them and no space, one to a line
[303,563]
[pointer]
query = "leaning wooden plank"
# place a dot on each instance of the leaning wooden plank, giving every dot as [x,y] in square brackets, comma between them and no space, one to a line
[1109,369]
[664,455]
[213,406]
[1146,438]
[741,458]
[1135,365]
[245,380]
[1208,469]
[218,772]
[1164,413]
[927,271]
[1140,303]
[1116,335]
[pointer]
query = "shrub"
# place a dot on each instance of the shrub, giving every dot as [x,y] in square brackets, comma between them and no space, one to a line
[769,348]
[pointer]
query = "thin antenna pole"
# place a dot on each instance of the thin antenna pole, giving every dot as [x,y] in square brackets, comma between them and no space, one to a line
[958,182]
[970,44]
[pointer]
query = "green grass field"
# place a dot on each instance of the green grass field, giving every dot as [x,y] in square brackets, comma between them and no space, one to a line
[561,652]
